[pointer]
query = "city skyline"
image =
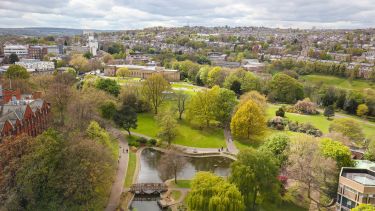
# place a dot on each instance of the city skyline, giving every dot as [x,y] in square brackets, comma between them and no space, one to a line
[122,15]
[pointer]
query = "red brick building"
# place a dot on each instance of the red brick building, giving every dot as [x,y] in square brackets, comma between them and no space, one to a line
[24,116]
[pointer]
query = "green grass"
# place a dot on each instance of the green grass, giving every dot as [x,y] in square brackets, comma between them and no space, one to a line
[344,83]
[181,184]
[319,121]
[131,169]
[176,194]
[187,135]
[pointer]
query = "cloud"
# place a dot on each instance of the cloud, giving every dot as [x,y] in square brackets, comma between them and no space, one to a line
[131,14]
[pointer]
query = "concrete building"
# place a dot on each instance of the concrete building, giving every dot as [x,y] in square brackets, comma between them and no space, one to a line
[93,45]
[144,72]
[253,65]
[20,50]
[33,65]
[356,186]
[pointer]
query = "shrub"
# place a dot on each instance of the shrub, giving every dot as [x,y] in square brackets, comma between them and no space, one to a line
[305,106]
[134,144]
[280,112]
[277,123]
[152,142]
[142,140]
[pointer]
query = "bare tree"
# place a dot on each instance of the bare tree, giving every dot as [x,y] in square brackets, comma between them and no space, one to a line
[170,164]
[315,173]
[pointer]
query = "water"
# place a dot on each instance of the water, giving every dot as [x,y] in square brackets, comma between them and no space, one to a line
[149,173]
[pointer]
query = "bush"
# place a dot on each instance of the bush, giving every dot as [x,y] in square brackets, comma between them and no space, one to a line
[304,128]
[280,112]
[277,123]
[305,107]
[134,144]
[152,142]
[142,140]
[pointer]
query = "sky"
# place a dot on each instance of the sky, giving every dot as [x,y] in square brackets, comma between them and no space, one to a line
[137,14]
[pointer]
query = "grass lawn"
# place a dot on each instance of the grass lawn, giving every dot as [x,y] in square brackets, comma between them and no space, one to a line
[181,184]
[319,121]
[176,194]
[283,207]
[187,136]
[131,169]
[358,85]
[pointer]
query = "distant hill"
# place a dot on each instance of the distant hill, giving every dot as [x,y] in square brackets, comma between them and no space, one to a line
[43,31]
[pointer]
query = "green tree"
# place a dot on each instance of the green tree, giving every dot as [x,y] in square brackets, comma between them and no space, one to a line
[249,120]
[362,110]
[108,85]
[278,145]
[88,55]
[224,105]
[108,109]
[255,174]
[336,151]
[122,72]
[181,98]
[284,88]
[329,111]
[13,58]
[348,127]
[153,90]
[364,207]
[15,71]
[168,126]
[212,193]
[79,62]
[370,151]
[126,118]
[201,107]
[215,76]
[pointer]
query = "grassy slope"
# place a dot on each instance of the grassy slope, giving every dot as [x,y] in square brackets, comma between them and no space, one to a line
[187,135]
[358,85]
[181,184]
[131,169]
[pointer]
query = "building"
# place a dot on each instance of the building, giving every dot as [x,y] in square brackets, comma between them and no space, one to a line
[253,65]
[29,115]
[34,65]
[144,72]
[20,50]
[38,52]
[93,45]
[356,186]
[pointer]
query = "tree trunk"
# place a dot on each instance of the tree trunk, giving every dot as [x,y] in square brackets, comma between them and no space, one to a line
[129,132]
[175,176]
[180,116]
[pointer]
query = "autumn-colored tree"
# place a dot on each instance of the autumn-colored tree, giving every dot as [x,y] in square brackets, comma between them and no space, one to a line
[122,72]
[79,62]
[249,120]
[211,193]
[256,97]
[362,110]
[154,89]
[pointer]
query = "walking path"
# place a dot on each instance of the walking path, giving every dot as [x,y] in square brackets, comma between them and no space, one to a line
[229,140]
[118,184]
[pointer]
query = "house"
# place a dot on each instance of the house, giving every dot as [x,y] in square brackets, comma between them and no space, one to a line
[23,114]
[20,50]
[356,186]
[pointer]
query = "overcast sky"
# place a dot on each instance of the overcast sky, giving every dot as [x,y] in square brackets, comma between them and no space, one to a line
[135,14]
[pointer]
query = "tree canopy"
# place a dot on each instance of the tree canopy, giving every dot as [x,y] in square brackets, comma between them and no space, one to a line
[284,88]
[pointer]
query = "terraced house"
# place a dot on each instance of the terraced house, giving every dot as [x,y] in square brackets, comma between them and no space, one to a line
[20,113]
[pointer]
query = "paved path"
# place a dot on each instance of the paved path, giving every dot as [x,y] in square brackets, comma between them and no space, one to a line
[118,185]
[229,140]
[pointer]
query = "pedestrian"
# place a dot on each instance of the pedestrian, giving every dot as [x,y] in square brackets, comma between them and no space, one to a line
[222,148]
[219,149]
[127,150]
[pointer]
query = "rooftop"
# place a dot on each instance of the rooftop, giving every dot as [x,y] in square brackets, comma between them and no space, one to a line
[362,176]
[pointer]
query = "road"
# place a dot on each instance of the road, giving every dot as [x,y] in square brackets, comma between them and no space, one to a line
[118,184]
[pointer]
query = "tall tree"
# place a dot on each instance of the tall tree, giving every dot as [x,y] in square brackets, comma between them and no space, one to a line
[181,99]
[278,145]
[15,71]
[126,118]
[153,90]
[108,85]
[329,111]
[171,163]
[13,58]
[249,120]
[212,193]
[224,106]
[168,126]
[284,88]
[255,174]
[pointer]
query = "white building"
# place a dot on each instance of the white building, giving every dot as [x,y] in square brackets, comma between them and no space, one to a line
[33,65]
[20,50]
[93,45]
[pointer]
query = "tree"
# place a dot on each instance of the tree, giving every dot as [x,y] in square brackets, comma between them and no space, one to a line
[212,193]
[329,111]
[108,109]
[336,151]
[278,145]
[171,163]
[370,151]
[88,55]
[122,72]
[15,71]
[280,112]
[126,118]
[224,106]
[348,127]
[284,88]
[108,85]
[305,106]
[236,87]
[255,174]
[249,120]
[201,107]
[362,110]
[215,76]
[153,90]
[13,58]
[168,126]
[79,62]
[108,58]
[181,99]
[256,97]
[364,207]
[313,172]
